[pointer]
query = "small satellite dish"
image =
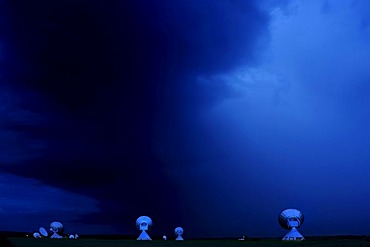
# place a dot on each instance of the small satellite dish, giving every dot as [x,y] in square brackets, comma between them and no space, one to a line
[57,229]
[43,232]
[143,223]
[36,235]
[291,219]
[179,231]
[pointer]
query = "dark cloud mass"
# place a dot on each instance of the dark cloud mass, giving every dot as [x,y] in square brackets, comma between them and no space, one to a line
[112,84]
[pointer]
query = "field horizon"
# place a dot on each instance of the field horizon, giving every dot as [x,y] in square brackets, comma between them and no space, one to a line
[16,234]
[88,242]
[19,239]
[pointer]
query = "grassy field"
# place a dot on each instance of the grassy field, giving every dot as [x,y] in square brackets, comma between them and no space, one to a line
[29,242]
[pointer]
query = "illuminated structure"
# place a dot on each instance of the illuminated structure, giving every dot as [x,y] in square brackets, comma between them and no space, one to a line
[143,223]
[43,232]
[56,228]
[179,231]
[291,219]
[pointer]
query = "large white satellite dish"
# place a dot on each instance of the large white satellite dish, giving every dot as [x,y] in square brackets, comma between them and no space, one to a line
[43,232]
[57,229]
[179,231]
[291,219]
[36,235]
[143,223]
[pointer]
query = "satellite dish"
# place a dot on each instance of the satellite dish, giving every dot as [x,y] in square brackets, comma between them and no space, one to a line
[179,231]
[43,232]
[36,235]
[57,229]
[143,223]
[291,219]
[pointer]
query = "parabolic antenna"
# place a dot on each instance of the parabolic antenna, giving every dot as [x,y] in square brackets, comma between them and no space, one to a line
[57,229]
[43,232]
[36,235]
[143,223]
[179,231]
[291,219]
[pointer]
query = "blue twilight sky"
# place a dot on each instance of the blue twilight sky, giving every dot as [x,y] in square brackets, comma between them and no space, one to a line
[210,115]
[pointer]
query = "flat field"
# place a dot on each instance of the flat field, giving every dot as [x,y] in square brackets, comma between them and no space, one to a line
[29,242]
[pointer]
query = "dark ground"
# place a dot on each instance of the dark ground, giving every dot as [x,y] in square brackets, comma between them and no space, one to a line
[29,242]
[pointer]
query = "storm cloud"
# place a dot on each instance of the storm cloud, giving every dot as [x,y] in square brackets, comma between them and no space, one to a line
[224,112]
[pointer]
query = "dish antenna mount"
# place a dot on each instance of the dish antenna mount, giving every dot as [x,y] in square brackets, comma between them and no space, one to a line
[56,228]
[179,231]
[143,223]
[291,219]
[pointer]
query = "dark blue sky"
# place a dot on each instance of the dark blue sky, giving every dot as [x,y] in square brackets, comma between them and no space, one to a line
[210,115]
